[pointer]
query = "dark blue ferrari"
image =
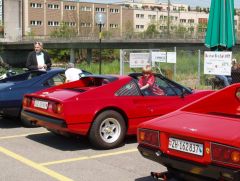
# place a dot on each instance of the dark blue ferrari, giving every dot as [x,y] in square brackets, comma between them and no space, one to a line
[13,88]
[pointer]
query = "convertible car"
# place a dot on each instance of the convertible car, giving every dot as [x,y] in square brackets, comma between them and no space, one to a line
[13,88]
[200,141]
[103,107]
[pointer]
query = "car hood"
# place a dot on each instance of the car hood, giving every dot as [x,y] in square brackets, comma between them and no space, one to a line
[202,126]
[6,85]
[61,94]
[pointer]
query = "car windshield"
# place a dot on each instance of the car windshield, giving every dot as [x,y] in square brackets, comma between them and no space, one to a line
[167,86]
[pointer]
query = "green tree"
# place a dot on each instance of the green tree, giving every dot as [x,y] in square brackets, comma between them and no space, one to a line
[151,31]
[180,31]
[128,30]
[63,31]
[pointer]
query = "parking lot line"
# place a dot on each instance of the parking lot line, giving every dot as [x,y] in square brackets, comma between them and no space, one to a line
[88,157]
[22,135]
[34,165]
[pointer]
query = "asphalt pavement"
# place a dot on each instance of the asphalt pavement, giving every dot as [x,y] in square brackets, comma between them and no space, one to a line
[36,154]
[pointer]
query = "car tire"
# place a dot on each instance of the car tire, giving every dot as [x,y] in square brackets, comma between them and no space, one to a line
[108,130]
[26,123]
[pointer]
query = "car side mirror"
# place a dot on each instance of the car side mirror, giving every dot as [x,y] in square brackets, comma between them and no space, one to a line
[183,93]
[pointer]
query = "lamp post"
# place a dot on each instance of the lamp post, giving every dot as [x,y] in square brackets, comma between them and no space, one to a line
[100,20]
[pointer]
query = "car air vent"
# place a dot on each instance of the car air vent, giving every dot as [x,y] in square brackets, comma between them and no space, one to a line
[76,89]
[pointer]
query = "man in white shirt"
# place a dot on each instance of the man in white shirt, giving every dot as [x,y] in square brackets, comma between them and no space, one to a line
[72,74]
[38,59]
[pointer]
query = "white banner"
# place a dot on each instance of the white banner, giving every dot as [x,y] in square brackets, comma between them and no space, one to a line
[159,57]
[138,60]
[217,63]
[171,57]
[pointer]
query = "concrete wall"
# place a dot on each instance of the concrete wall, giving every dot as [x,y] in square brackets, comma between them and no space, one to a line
[15,58]
[12,19]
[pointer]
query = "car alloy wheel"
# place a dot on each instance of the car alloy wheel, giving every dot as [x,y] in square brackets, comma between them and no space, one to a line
[110,130]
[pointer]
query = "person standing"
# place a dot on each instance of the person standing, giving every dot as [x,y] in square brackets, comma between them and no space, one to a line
[38,59]
[72,73]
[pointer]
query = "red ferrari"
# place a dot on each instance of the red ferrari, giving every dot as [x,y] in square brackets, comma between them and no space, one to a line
[105,108]
[200,141]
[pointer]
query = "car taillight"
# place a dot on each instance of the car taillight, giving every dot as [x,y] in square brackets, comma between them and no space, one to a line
[27,101]
[225,154]
[57,108]
[149,137]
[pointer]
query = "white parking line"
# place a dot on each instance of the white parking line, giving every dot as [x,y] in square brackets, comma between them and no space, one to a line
[89,157]
[22,135]
[34,165]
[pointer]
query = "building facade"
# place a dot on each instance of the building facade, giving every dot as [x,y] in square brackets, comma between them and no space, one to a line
[42,18]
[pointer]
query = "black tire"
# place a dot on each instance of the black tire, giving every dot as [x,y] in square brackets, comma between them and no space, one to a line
[108,130]
[26,123]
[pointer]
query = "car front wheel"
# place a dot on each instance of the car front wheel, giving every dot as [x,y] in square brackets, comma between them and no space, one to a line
[108,130]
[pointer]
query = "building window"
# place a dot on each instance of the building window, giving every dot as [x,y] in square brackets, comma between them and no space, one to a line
[114,10]
[139,26]
[183,20]
[53,23]
[103,25]
[70,23]
[191,21]
[53,6]
[151,16]
[87,25]
[35,23]
[100,9]
[68,7]
[113,26]
[85,8]
[35,5]
[139,15]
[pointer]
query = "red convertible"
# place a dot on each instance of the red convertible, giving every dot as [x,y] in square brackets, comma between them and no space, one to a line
[105,108]
[200,141]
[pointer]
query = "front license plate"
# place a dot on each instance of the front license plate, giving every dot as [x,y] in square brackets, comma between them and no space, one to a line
[186,146]
[41,104]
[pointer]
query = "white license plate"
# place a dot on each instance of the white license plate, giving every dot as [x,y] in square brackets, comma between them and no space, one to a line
[41,104]
[186,146]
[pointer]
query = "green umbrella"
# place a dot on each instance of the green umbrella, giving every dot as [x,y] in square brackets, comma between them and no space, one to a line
[220,29]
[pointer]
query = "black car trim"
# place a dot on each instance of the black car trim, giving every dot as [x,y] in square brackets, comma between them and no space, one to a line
[31,117]
[183,166]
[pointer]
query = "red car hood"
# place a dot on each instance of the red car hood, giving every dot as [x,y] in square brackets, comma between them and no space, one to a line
[62,94]
[203,126]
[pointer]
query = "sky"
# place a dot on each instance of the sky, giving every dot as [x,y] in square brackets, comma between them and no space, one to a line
[193,3]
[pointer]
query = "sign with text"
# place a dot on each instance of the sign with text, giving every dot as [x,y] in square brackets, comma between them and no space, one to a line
[138,60]
[217,63]
[171,57]
[159,57]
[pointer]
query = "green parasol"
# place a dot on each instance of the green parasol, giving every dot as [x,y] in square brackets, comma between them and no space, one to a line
[220,29]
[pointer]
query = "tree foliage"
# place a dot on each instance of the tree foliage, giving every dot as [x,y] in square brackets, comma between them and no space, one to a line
[151,31]
[63,31]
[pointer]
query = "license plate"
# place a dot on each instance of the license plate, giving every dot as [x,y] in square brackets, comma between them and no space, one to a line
[186,146]
[41,104]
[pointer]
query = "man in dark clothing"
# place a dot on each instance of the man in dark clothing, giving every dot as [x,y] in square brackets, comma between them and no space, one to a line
[38,59]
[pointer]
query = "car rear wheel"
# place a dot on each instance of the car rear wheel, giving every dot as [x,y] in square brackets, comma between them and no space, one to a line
[108,130]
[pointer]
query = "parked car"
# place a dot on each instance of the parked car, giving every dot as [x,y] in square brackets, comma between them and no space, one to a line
[13,88]
[200,141]
[103,107]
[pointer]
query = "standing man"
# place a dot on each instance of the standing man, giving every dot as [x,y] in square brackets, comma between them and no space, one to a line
[38,59]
